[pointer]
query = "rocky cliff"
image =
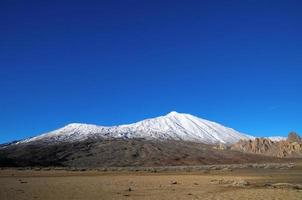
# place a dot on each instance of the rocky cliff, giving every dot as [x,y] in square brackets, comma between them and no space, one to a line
[291,147]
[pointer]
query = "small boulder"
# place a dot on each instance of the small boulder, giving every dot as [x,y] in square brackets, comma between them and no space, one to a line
[240,183]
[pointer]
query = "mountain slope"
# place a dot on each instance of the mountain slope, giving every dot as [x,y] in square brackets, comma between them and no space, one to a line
[173,126]
[122,153]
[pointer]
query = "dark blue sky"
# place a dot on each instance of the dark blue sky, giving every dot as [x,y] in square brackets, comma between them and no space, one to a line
[238,63]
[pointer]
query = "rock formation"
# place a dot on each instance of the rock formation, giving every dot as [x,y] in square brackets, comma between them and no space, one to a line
[293,137]
[292,147]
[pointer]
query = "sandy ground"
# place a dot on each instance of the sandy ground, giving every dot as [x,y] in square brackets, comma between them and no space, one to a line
[88,185]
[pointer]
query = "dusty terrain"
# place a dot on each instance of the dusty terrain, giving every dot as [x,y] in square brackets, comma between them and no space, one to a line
[257,182]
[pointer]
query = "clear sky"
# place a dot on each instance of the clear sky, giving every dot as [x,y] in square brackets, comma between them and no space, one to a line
[112,62]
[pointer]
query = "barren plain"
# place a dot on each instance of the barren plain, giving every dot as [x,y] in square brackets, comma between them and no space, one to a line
[264,181]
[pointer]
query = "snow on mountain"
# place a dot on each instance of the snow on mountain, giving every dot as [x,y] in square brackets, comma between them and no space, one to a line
[177,126]
[277,138]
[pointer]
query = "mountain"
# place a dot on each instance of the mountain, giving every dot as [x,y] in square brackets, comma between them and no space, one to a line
[173,139]
[173,126]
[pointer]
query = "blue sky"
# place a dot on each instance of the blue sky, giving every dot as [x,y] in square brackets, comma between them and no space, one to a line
[238,63]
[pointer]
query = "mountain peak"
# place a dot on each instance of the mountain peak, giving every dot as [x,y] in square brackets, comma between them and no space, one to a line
[174,113]
[73,125]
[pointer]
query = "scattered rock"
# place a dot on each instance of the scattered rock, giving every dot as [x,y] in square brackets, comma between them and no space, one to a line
[220,146]
[234,183]
[285,185]
[174,182]
[214,167]
[22,182]
[240,183]
[226,169]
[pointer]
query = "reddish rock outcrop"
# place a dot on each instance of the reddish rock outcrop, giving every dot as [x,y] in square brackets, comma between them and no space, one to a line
[292,147]
[293,137]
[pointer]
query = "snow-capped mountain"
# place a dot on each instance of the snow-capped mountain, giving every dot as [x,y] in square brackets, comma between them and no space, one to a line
[176,126]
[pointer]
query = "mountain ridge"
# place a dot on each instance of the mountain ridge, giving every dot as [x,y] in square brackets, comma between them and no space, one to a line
[174,125]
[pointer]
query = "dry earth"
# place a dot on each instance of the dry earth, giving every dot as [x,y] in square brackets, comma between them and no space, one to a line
[247,183]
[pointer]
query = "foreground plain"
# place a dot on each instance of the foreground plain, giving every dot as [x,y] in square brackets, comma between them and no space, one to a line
[249,183]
